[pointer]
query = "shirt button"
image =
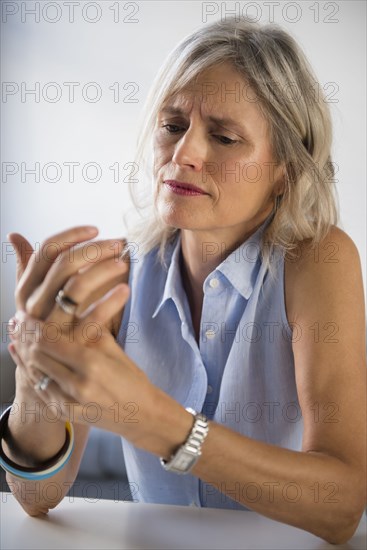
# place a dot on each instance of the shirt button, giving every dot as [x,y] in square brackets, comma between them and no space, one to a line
[209,389]
[210,334]
[214,283]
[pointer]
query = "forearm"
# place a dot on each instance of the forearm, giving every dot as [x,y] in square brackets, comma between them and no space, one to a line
[38,497]
[312,491]
[34,432]
[30,440]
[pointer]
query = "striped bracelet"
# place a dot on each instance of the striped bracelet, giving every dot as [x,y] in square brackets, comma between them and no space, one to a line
[48,468]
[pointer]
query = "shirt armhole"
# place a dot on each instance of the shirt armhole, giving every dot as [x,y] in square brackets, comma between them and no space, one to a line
[283,312]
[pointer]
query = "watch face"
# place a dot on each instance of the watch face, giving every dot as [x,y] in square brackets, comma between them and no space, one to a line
[181,462]
[184,460]
[189,452]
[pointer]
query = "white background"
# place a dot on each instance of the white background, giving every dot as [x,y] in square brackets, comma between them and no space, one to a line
[112,50]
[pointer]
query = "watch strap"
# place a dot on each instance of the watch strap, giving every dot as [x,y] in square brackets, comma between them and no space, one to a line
[184,459]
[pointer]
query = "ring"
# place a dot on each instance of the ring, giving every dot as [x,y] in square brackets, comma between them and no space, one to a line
[66,303]
[42,383]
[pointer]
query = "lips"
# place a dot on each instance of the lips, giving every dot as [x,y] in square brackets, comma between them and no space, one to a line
[176,185]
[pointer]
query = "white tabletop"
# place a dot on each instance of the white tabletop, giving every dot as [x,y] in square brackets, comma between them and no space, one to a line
[104,524]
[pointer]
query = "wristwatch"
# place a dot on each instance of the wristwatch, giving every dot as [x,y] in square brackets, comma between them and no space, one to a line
[187,455]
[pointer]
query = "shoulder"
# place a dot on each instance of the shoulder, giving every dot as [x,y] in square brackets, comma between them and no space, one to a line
[330,267]
[337,247]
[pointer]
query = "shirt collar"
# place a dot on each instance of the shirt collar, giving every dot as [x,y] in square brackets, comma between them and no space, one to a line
[173,288]
[241,268]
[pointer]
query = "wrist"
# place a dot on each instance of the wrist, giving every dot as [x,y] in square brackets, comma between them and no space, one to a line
[45,469]
[167,429]
[186,456]
[25,392]
[30,436]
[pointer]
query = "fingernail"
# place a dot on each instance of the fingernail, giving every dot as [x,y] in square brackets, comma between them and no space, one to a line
[11,244]
[12,327]
[18,316]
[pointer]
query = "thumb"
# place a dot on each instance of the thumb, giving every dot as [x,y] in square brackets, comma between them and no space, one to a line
[23,250]
[102,313]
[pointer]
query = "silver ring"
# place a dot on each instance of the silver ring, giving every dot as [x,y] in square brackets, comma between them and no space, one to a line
[42,383]
[66,303]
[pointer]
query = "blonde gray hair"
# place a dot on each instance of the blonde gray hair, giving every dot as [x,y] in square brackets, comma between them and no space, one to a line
[278,73]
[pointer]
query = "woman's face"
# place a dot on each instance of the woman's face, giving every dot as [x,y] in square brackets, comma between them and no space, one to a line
[211,135]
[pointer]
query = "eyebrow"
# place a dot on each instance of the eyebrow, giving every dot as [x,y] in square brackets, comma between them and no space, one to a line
[221,121]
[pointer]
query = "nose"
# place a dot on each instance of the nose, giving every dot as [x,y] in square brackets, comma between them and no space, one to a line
[191,150]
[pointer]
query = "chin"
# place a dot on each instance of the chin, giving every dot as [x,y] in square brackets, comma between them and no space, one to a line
[181,224]
[178,217]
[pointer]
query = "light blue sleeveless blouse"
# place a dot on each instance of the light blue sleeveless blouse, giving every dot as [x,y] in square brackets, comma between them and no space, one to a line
[240,375]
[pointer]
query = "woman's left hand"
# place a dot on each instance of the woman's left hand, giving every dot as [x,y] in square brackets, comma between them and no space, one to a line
[92,382]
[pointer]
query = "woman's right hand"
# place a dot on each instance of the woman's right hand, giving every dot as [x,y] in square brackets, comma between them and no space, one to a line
[31,266]
[61,260]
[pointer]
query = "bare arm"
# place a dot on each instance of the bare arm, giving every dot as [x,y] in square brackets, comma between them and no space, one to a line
[320,489]
[38,497]
[323,488]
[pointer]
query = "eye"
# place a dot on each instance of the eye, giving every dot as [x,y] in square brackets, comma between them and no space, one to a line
[225,140]
[175,129]
[172,128]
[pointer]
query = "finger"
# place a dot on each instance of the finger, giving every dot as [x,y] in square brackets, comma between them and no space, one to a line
[28,329]
[64,406]
[59,405]
[28,371]
[89,285]
[29,376]
[22,378]
[41,366]
[43,259]
[22,349]
[35,337]
[81,258]
[23,250]
[68,380]
[14,354]
[104,310]
[20,365]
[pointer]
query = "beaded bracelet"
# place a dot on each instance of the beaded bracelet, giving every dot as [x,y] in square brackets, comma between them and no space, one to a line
[48,468]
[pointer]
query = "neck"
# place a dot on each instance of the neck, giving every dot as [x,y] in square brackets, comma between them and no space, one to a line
[203,251]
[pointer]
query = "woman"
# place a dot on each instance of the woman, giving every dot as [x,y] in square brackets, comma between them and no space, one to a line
[245,302]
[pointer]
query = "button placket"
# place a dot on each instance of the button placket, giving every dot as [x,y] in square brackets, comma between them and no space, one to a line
[212,285]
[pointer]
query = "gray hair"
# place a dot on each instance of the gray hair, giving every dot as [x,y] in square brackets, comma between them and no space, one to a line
[278,73]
